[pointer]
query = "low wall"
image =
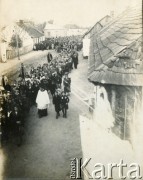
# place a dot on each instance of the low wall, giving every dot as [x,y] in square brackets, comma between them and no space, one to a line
[14,53]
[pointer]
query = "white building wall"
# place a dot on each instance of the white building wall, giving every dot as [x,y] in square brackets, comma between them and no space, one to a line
[55,33]
[86,46]
[3,57]
[63,32]
[12,29]
[76,32]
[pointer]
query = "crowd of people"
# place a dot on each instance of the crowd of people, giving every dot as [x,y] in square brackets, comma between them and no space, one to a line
[54,77]
[37,85]
[14,105]
[58,43]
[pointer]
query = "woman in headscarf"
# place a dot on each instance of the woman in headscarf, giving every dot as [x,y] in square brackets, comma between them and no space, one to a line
[42,101]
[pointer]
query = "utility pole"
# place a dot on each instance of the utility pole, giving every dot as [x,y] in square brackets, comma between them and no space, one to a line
[22,71]
[17,46]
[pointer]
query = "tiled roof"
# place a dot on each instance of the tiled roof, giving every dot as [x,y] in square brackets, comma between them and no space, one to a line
[116,56]
[31,30]
[100,23]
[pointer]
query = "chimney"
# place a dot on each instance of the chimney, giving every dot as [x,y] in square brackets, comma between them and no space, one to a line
[51,21]
[21,21]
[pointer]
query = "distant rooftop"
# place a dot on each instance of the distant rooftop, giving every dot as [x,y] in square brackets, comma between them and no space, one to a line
[30,29]
[102,23]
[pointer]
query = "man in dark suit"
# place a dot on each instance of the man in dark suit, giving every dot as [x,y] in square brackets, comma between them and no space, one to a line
[57,103]
[75,59]
[7,86]
[49,57]
[64,104]
[3,80]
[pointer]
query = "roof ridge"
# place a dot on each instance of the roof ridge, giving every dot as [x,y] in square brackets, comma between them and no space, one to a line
[34,27]
[126,11]
[37,29]
[29,27]
[98,22]
[110,23]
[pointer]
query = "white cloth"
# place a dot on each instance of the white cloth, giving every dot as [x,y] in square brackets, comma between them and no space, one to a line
[103,113]
[42,99]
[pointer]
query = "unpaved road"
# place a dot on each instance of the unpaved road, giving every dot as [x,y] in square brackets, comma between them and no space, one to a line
[49,143]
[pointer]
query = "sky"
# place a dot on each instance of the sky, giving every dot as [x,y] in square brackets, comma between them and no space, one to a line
[81,12]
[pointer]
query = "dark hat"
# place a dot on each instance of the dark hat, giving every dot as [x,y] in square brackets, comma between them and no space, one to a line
[41,85]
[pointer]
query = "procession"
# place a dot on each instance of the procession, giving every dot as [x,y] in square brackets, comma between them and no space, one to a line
[42,85]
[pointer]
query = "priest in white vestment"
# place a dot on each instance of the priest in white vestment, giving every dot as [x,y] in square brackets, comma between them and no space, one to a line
[42,101]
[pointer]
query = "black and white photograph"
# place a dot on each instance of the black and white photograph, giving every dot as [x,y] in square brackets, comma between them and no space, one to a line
[71,89]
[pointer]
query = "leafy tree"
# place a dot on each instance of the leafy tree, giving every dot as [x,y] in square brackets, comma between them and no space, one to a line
[16,41]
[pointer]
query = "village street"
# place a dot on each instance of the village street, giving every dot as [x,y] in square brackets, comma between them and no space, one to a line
[50,143]
[11,67]
[71,90]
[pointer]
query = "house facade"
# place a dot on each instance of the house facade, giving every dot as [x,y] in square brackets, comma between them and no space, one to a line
[116,63]
[52,31]
[3,57]
[28,34]
[36,35]
[27,41]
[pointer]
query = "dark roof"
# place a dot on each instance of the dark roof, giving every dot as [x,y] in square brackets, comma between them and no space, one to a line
[31,30]
[40,27]
[100,23]
[116,56]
